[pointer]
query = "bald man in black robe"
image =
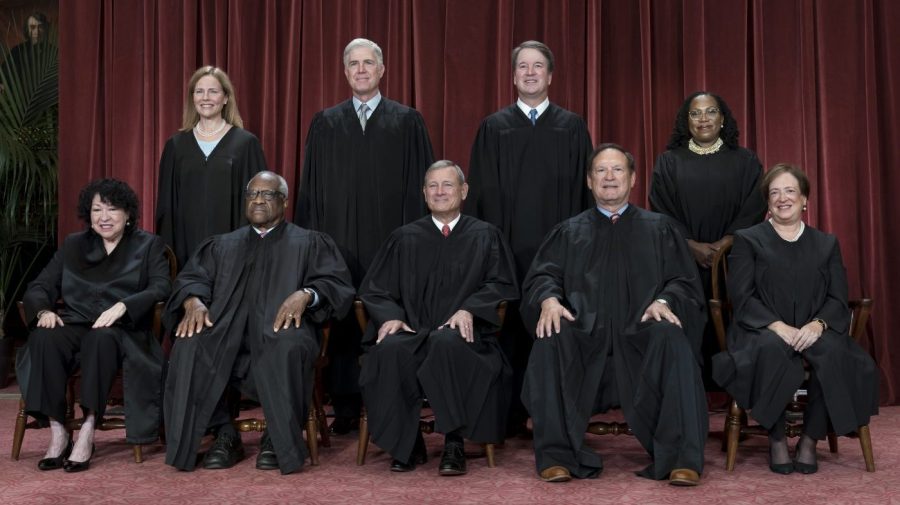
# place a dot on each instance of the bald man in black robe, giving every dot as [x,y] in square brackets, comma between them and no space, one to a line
[619,313]
[246,303]
[432,295]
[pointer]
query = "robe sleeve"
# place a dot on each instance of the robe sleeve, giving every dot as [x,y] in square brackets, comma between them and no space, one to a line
[581,151]
[753,207]
[664,193]
[681,285]
[165,197]
[750,312]
[305,210]
[43,292]
[835,311]
[499,284]
[545,278]
[380,290]
[196,279]
[484,201]
[419,156]
[329,276]
[158,286]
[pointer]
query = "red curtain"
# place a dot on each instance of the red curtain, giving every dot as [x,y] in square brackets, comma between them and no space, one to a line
[810,82]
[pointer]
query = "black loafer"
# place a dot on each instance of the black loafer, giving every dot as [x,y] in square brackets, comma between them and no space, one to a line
[57,462]
[78,466]
[453,460]
[266,459]
[226,451]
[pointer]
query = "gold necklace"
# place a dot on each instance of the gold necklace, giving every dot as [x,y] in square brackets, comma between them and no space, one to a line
[705,150]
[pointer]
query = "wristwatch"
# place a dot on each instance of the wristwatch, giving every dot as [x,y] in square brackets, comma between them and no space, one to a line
[662,301]
[312,296]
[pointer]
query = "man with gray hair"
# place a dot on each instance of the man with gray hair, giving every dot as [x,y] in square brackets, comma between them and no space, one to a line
[527,172]
[432,294]
[364,162]
[242,311]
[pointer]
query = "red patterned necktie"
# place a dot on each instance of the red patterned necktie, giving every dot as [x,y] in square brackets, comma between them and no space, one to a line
[614,217]
[445,231]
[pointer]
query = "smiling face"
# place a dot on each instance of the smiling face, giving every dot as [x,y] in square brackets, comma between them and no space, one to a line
[261,213]
[610,179]
[209,97]
[107,220]
[532,77]
[705,120]
[363,72]
[443,192]
[786,201]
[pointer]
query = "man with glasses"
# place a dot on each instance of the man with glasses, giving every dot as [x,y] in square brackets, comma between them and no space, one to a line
[617,309]
[362,171]
[242,311]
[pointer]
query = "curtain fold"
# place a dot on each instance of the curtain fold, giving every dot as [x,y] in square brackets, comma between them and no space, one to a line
[810,82]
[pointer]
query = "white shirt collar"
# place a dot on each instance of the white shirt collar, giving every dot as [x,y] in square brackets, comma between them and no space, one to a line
[266,232]
[372,103]
[451,224]
[609,213]
[525,108]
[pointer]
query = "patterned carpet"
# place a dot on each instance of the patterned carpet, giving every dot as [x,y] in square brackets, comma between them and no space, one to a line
[115,478]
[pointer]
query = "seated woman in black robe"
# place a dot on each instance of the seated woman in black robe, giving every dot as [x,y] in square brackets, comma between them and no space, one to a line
[109,278]
[789,291]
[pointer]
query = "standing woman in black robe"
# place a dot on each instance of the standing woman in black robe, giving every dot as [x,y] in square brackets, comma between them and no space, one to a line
[204,167]
[789,291]
[109,277]
[708,184]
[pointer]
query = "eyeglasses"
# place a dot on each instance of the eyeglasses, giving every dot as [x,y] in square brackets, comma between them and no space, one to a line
[711,113]
[267,194]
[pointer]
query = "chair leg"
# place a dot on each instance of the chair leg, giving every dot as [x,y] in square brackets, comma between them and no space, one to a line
[138,453]
[865,443]
[732,434]
[832,442]
[363,446]
[489,452]
[312,428]
[19,433]
[322,420]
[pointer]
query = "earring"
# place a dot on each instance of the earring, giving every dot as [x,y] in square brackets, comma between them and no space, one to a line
[804,208]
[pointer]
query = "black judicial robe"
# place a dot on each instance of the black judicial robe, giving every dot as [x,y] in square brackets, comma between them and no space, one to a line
[89,281]
[422,278]
[771,279]
[359,186]
[708,196]
[243,280]
[607,275]
[200,197]
[526,178]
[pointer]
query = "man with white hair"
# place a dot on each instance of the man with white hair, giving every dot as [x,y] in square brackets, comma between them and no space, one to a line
[364,164]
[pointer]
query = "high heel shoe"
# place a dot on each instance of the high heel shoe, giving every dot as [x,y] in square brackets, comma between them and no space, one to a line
[57,462]
[79,466]
[782,468]
[805,468]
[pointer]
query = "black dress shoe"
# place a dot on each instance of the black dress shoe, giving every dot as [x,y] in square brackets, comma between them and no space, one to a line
[57,462]
[79,466]
[266,459]
[782,468]
[344,425]
[453,460]
[226,451]
[419,457]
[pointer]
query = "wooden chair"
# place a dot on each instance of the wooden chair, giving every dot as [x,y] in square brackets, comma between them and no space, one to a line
[736,422]
[110,421]
[426,425]
[316,421]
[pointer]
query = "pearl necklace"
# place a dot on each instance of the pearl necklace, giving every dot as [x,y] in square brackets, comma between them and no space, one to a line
[705,150]
[206,133]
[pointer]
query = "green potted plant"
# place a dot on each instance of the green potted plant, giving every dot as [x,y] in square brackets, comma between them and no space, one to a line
[29,100]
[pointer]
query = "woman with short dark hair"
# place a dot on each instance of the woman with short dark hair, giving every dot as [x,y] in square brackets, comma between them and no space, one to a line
[108,278]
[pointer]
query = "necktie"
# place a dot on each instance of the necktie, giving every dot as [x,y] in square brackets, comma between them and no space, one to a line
[363,109]
[533,115]
[445,231]
[263,234]
[614,217]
